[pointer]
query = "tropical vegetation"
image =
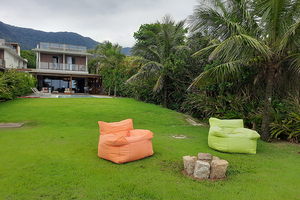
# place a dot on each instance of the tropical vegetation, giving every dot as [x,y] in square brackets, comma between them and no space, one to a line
[115,75]
[239,60]
[13,84]
[157,47]
[30,56]
[262,34]
[113,65]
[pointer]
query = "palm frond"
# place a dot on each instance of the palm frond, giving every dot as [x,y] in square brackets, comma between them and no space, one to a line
[149,69]
[140,61]
[239,46]
[150,52]
[208,49]
[222,18]
[295,64]
[291,34]
[223,72]
[159,84]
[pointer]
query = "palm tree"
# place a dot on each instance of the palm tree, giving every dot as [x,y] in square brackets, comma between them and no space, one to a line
[245,31]
[107,53]
[169,39]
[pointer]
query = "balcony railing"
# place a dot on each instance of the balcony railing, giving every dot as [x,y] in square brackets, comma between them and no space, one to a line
[61,66]
[7,44]
[62,47]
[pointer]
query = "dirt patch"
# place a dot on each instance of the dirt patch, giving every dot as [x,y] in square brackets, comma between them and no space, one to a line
[191,121]
[179,137]
[11,125]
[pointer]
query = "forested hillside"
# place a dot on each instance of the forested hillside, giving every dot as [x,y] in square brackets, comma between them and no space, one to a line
[29,38]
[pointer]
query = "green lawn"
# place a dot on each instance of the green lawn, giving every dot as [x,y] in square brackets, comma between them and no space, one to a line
[54,156]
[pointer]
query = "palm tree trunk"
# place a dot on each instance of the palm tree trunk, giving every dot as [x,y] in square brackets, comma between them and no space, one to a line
[267,104]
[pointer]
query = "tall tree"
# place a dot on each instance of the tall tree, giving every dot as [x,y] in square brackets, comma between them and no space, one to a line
[264,32]
[106,53]
[141,36]
[165,38]
[30,56]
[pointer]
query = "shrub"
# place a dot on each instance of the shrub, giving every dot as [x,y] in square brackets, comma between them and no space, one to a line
[13,84]
[143,91]
[115,77]
[286,122]
[227,106]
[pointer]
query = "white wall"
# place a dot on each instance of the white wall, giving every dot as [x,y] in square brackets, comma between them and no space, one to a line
[13,62]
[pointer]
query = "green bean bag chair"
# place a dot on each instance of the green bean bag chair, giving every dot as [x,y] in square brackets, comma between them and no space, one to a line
[231,136]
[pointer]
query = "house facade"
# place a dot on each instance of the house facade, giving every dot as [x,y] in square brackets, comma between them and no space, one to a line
[10,57]
[63,67]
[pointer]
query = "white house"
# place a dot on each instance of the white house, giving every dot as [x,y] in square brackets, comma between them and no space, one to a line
[10,56]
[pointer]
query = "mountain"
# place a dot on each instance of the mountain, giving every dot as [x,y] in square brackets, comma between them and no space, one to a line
[126,51]
[28,38]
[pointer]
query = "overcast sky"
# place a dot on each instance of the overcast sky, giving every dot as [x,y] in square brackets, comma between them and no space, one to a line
[113,20]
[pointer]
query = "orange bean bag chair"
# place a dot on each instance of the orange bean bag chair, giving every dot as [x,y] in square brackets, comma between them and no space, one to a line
[119,143]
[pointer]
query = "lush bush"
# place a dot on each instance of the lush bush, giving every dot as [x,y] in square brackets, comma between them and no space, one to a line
[226,99]
[13,84]
[227,106]
[92,65]
[286,123]
[115,76]
[143,91]
[178,71]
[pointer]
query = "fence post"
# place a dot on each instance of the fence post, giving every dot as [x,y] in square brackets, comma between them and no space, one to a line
[109,91]
[115,93]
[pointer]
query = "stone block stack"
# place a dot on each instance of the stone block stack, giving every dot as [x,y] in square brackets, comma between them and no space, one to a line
[203,167]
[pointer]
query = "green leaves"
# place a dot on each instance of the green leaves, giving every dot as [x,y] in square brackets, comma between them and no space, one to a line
[156,43]
[106,54]
[30,56]
[13,84]
[116,75]
[287,120]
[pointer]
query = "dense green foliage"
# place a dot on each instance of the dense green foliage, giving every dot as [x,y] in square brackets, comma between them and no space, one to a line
[54,156]
[156,44]
[228,100]
[286,124]
[142,37]
[239,60]
[105,54]
[262,34]
[113,65]
[179,70]
[31,58]
[114,77]
[13,84]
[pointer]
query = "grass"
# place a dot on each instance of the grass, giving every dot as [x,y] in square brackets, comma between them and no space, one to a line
[54,156]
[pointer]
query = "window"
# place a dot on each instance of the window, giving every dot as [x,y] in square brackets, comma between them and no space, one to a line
[55,62]
[55,59]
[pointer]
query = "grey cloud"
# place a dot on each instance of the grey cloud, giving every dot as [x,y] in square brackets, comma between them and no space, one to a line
[114,20]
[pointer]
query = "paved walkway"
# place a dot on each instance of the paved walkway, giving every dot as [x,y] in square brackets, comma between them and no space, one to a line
[11,125]
[62,95]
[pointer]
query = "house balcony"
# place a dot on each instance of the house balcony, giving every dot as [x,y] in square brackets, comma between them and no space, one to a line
[62,67]
[62,47]
[7,44]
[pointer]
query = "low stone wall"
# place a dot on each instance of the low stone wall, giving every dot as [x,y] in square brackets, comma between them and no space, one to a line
[204,167]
